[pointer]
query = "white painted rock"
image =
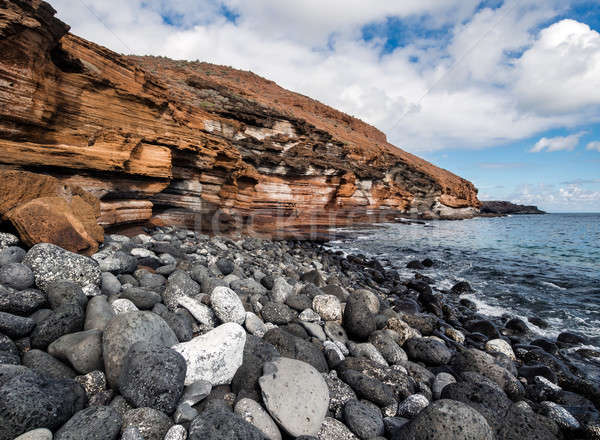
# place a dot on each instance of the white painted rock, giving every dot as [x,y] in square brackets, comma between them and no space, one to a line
[296,396]
[227,305]
[214,356]
[253,413]
[328,307]
[500,346]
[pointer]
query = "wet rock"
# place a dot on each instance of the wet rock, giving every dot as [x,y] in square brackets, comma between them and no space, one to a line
[500,346]
[363,420]
[560,415]
[52,263]
[461,287]
[94,423]
[295,395]
[484,327]
[214,356]
[124,331]
[518,325]
[570,338]
[152,376]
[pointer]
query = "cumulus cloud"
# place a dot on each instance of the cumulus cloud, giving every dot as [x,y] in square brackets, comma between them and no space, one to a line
[593,146]
[484,77]
[567,197]
[558,143]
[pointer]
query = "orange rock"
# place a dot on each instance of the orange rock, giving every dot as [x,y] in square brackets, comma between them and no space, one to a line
[195,144]
[52,220]
[45,210]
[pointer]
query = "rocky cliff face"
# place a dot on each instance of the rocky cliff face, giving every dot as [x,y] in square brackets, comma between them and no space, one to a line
[498,208]
[196,144]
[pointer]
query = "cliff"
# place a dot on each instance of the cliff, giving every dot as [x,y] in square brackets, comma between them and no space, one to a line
[195,144]
[494,208]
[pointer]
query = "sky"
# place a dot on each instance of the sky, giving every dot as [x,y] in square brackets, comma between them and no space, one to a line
[505,93]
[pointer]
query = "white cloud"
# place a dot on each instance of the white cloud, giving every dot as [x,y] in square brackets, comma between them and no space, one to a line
[593,146]
[465,90]
[569,197]
[558,143]
[560,73]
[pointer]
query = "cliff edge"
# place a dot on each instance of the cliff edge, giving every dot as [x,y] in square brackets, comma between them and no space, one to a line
[195,144]
[497,208]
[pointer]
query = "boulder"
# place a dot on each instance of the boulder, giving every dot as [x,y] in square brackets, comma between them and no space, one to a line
[83,350]
[152,376]
[93,423]
[52,263]
[125,330]
[214,356]
[227,305]
[30,400]
[149,423]
[296,395]
[44,210]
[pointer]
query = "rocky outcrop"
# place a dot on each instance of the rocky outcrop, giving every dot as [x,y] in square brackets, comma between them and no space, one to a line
[196,144]
[499,208]
[45,210]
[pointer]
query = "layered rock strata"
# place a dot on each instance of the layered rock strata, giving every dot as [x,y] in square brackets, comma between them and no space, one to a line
[196,144]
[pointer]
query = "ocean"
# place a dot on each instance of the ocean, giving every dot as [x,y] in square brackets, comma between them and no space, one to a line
[547,266]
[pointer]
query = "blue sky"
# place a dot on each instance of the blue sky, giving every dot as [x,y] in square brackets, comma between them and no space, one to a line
[505,93]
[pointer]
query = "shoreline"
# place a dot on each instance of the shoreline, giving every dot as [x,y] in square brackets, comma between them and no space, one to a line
[382,355]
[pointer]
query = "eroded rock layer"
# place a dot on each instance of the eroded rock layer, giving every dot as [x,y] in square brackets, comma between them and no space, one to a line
[196,144]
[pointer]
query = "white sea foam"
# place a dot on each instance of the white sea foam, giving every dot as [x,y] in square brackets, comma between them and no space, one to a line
[549,284]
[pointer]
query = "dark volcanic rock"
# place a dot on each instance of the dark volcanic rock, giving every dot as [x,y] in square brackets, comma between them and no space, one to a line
[522,423]
[369,388]
[153,376]
[447,420]
[363,420]
[93,423]
[15,326]
[30,401]
[68,318]
[358,320]
[219,424]
[16,275]
[22,303]
[429,351]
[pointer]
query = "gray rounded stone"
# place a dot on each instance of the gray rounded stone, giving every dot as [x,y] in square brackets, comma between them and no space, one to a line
[125,330]
[36,434]
[295,394]
[253,413]
[366,421]
[143,299]
[227,305]
[52,263]
[16,275]
[11,254]
[46,364]
[358,319]
[152,376]
[83,350]
[65,292]
[179,284]
[93,423]
[98,313]
[66,319]
[427,350]
[440,382]
[447,420]
[110,284]
[150,423]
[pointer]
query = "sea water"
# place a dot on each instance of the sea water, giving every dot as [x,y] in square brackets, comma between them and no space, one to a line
[546,266]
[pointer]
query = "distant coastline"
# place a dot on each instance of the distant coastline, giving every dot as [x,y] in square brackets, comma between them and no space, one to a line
[497,208]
